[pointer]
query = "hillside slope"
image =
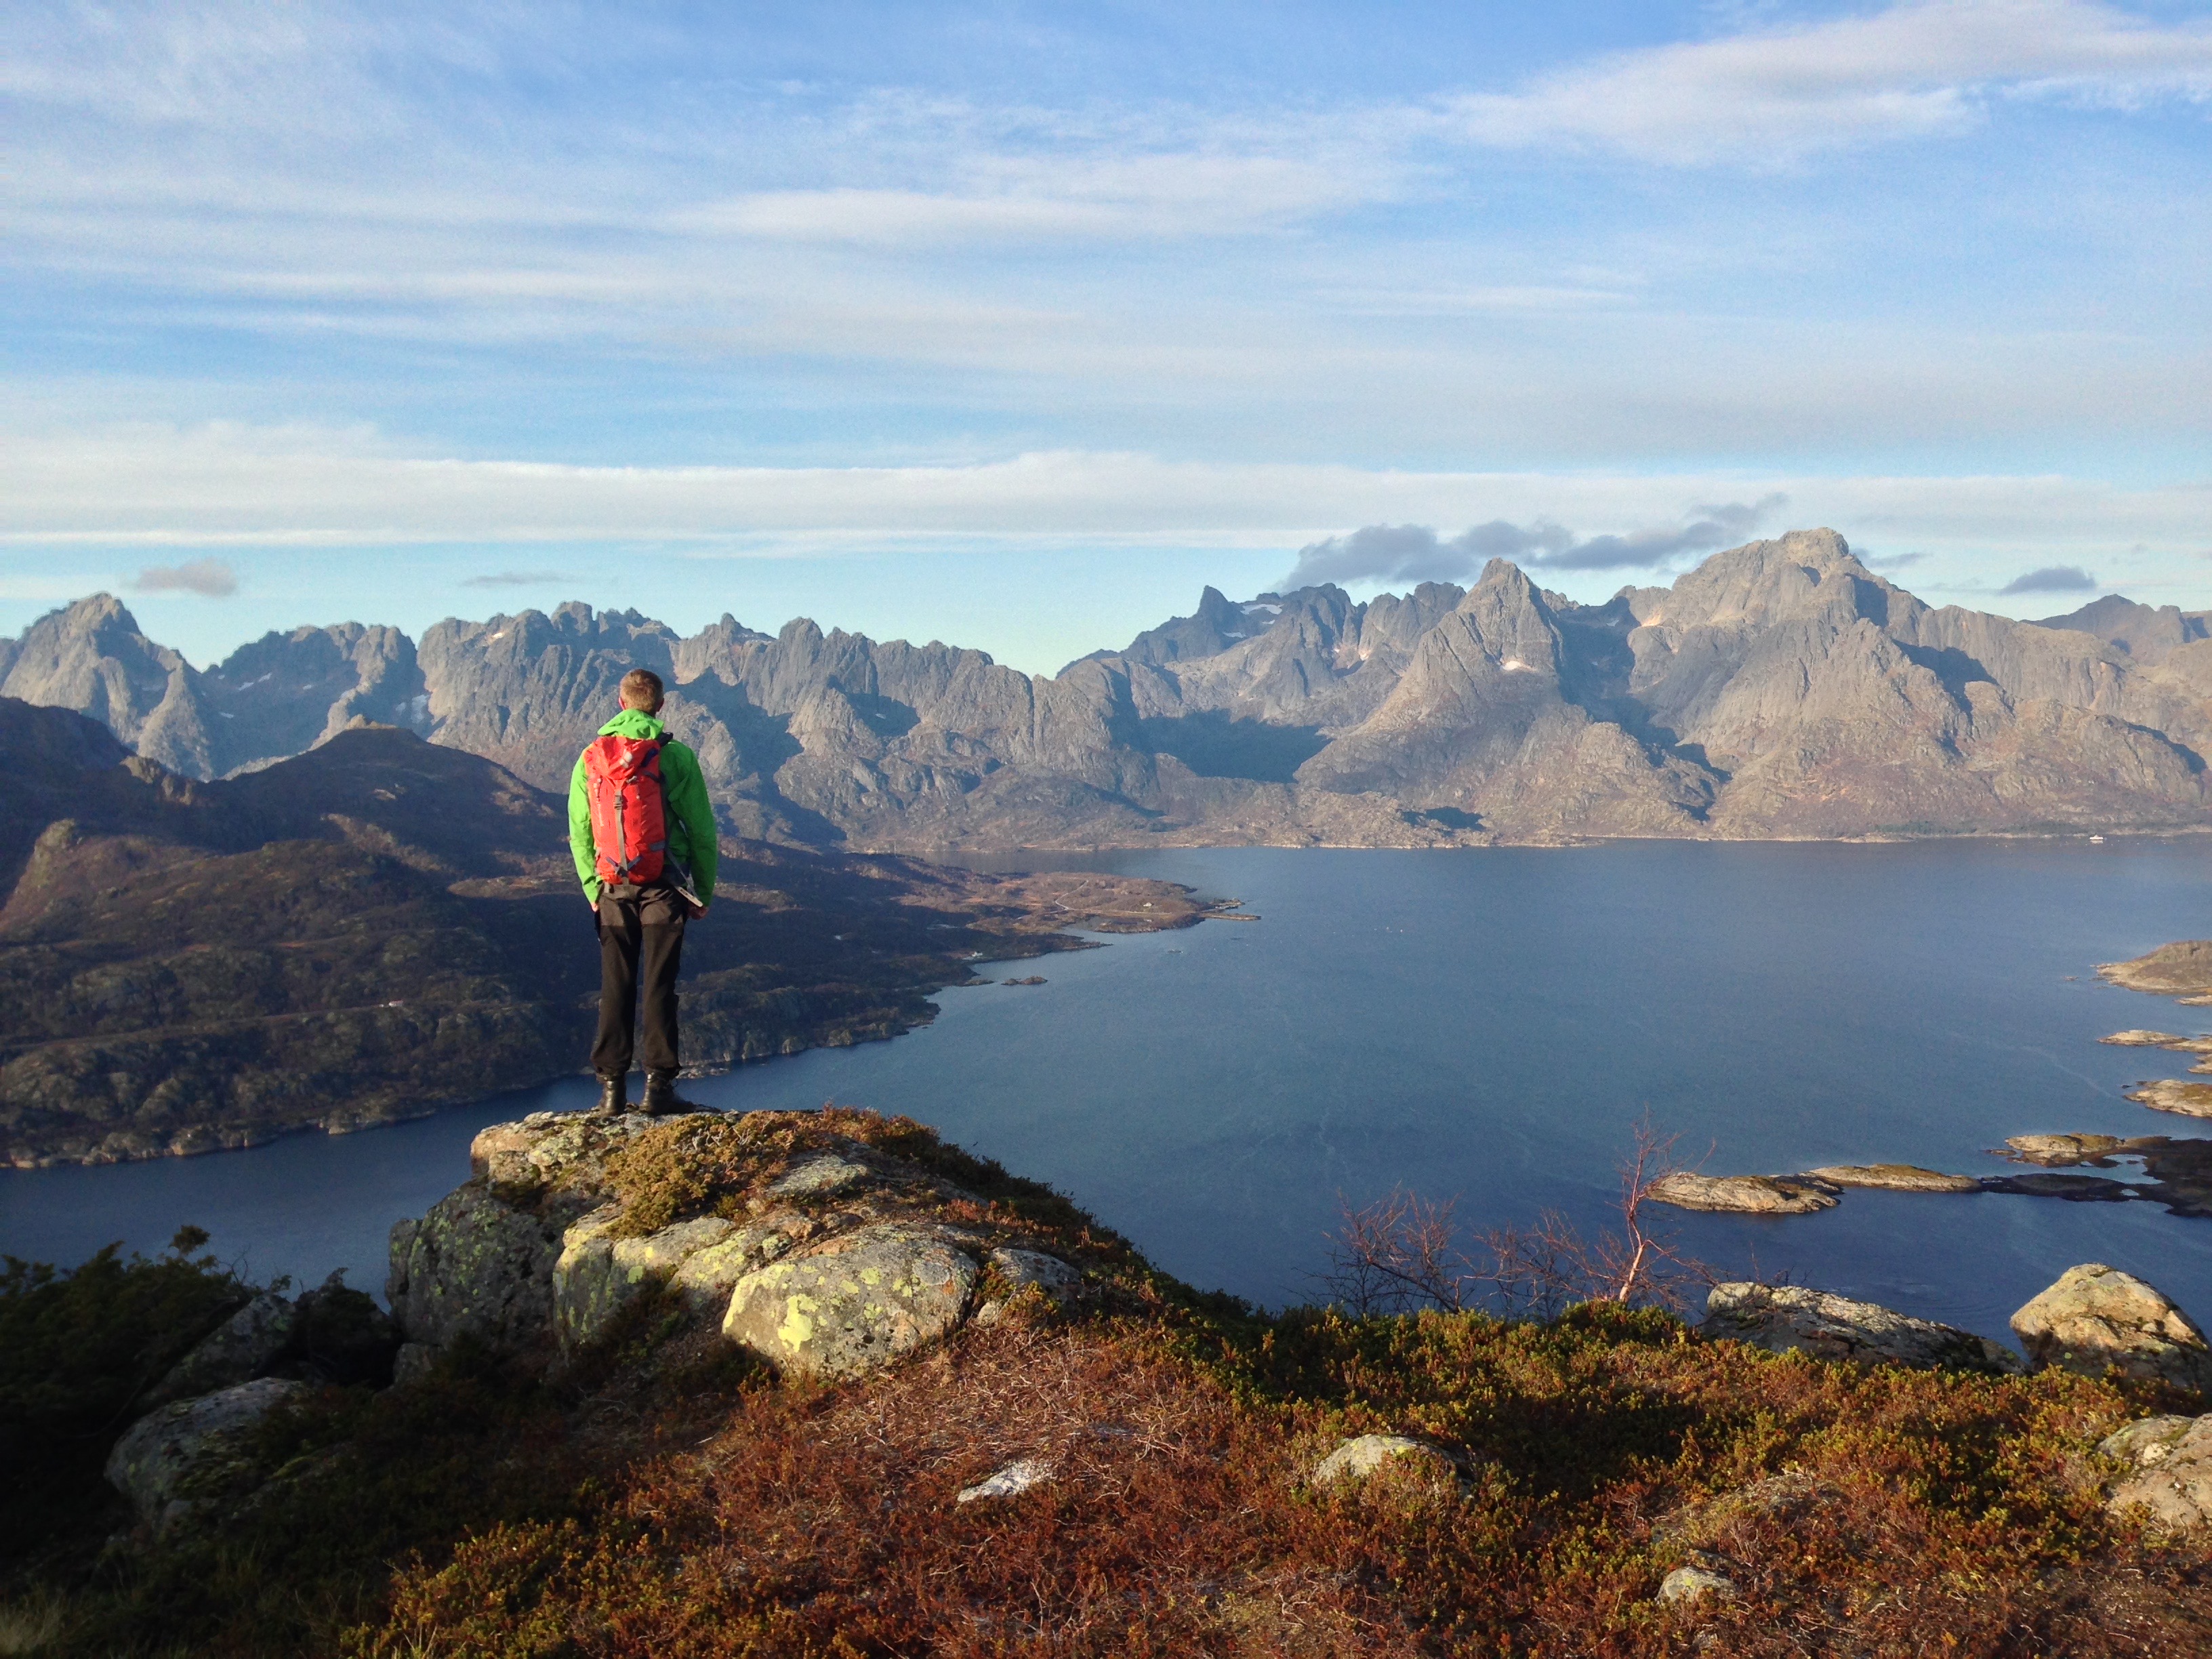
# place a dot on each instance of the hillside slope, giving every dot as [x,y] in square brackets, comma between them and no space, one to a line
[383,926]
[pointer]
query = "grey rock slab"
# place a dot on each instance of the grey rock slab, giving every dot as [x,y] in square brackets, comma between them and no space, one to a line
[2174,1482]
[1794,1318]
[193,1450]
[824,1176]
[1893,1177]
[1362,1455]
[241,1348]
[1741,1195]
[1011,1482]
[596,1275]
[477,1266]
[2095,1317]
[2060,1150]
[2172,1095]
[855,1303]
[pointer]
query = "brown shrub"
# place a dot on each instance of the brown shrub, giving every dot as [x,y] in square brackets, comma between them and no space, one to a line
[1862,1512]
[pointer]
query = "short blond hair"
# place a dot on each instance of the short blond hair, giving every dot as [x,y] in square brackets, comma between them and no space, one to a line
[641,689]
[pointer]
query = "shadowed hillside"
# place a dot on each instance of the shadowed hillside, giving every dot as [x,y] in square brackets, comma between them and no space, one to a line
[383,926]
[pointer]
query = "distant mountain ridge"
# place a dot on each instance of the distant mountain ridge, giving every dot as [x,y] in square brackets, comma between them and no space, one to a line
[1780,689]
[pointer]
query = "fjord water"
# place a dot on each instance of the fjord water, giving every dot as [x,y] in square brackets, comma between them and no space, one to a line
[1490,1024]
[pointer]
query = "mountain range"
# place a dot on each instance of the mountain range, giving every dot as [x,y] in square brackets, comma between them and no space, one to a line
[1781,688]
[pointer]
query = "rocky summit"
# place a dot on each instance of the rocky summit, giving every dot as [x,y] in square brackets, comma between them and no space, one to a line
[1780,689]
[789,1384]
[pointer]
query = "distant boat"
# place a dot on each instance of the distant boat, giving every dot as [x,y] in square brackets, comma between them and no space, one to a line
[2094,840]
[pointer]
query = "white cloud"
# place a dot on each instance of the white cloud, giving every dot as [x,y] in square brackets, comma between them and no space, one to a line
[232,486]
[1777,94]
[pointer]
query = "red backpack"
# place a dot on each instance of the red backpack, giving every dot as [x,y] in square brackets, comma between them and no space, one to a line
[629,812]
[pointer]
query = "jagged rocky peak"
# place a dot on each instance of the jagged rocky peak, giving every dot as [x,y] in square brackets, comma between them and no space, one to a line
[2147,634]
[1760,583]
[1217,623]
[284,693]
[90,656]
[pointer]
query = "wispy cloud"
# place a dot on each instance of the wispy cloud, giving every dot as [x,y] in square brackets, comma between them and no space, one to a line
[210,487]
[518,578]
[2051,579]
[209,578]
[1415,553]
[1779,94]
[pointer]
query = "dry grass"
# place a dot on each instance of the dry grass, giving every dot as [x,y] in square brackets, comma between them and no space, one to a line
[1862,1513]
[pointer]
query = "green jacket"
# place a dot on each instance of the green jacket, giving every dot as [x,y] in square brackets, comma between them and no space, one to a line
[690,815]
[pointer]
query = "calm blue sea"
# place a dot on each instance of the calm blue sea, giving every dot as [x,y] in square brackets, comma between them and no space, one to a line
[1486,1023]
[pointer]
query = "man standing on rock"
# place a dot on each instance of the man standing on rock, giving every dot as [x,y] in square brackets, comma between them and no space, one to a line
[642,832]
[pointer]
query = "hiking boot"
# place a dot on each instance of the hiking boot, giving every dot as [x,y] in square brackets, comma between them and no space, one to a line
[612,1103]
[660,1097]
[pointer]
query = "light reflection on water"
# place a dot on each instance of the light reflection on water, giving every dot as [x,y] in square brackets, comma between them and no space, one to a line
[1490,1023]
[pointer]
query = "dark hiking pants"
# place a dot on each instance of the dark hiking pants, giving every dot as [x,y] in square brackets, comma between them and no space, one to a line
[641,930]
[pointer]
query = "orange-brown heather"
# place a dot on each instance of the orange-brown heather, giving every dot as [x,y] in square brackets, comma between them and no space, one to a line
[670,1500]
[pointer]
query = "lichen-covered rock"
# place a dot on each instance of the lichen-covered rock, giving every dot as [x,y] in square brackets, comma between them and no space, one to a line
[2096,1317]
[1893,1177]
[1793,1318]
[552,1149]
[854,1305]
[244,1346]
[1364,1455]
[194,1451]
[598,1275]
[1029,1270]
[1741,1195]
[707,1276]
[474,1265]
[2146,1441]
[2173,1457]
[1697,1585]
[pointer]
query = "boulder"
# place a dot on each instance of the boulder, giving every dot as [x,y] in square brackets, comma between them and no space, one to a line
[1745,1194]
[194,1451]
[1893,1177]
[552,1149]
[2172,1461]
[1697,1585]
[855,1303]
[1029,1270]
[707,1276]
[244,1346]
[476,1265]
[598,1275]
[1362,1455]
[2167,1094]
[1793,1318]
[2097,1317]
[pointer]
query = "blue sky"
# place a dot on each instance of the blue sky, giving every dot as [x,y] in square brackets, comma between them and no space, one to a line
[1014,325]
